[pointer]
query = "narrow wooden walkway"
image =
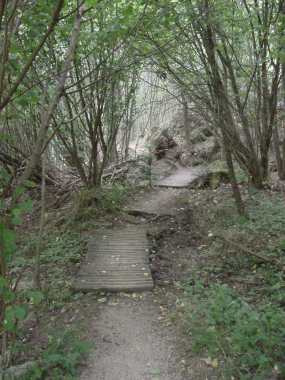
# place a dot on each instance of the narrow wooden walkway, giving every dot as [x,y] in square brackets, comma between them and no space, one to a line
[117,260]
[184,177]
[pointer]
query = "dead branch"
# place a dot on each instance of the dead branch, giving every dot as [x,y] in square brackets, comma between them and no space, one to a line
[246,251]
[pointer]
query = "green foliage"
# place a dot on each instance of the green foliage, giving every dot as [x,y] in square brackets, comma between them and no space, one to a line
[264,228]
[4,178]
[9,218]
[61,357]
[61,250]
[35,297]
[240,323]
[112,199]
[7,240]
[15,306]
[89,202]
[249,340]
[13,314]
[267,214]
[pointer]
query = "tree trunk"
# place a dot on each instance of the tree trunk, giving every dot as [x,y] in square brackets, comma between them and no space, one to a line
[235,188]
[223,113]
[37,269]
[47,115]
[278,154]
[186,120]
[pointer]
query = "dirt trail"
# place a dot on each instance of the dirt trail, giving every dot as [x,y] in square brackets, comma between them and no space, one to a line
[131,341]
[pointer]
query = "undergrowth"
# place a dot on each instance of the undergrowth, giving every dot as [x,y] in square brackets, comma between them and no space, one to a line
[60,255]
[61,357]
[234,305]
[51,332]
[248,339]
[50,335]
[90,203]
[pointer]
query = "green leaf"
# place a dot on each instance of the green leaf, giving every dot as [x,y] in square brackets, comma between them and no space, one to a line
[8,240]
[12,315]
[5,292]
[35,297]
[20,312]
[3,284]
[4,176]
[155,371]
[3,136]
[9,324]
[91,3]
[30,184]
[19,191]
[16,216]
[26,206]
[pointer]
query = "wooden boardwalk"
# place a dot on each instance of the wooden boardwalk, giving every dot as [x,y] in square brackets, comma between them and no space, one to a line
[117,260]
[184,177]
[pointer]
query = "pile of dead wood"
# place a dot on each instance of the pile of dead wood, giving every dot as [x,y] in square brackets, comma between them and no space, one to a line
[134,171]
[163,143]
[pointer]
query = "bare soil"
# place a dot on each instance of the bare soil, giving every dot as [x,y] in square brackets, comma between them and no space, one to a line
[132,341]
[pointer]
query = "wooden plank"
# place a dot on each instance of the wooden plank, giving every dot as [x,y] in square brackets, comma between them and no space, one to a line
[184,177]
[117,260]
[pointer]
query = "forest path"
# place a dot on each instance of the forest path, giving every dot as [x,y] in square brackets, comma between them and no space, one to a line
[131,340]
[182,177]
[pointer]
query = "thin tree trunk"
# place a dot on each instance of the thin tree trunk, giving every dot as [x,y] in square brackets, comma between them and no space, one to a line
[47,115]
[278,154]
[235,188]
[283,98]
[223,113]
[186,120]
[37,269]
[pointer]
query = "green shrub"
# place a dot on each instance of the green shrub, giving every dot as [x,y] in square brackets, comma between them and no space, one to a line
[250,340]
[61,357]
[267,215]
[62,248]
[89,202]
[112,199]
